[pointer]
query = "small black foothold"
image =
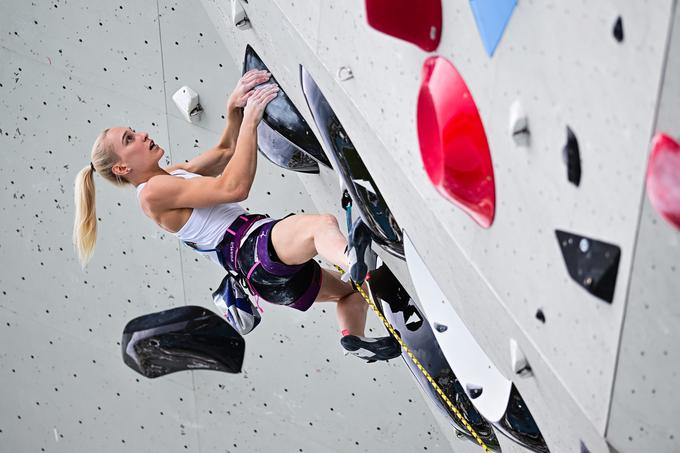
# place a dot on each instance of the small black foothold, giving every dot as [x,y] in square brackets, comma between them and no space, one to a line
[572,157]
[584,449]
[618,29]
[540,316]
[474,390]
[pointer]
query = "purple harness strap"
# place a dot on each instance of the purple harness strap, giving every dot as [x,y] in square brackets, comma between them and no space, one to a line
[309,296]
[261,245]
[230,248]
[262,258]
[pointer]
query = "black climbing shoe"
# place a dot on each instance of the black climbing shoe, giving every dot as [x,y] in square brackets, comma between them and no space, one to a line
[371,349]
[359,241]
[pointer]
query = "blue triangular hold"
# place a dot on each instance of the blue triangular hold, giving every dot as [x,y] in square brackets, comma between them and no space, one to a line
[492,17]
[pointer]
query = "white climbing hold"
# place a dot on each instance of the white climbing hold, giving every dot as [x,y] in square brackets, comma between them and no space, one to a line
[345,73]
[520,364]
[519,125]
[186,101]
[239,16]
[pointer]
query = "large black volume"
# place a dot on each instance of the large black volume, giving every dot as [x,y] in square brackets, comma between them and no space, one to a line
[283,118]
[182,338]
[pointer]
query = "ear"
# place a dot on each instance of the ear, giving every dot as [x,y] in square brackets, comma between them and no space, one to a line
[120,170]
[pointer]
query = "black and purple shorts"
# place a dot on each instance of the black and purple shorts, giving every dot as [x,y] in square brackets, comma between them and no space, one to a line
[278,283]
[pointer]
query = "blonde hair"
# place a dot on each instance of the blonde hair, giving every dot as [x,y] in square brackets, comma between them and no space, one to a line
[85,224]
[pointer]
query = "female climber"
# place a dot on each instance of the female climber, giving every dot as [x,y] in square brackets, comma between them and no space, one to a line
[198,201]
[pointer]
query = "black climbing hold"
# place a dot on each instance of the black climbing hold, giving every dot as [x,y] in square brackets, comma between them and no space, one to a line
[618,29]
[474,390]
[285,123]
[412,318]
[540,316]
[396,304]
[584,449]
[518,424]
[280,151]
[346,199]
[182,338]
[592,264]
[366,196]
[440,327]
[572,157]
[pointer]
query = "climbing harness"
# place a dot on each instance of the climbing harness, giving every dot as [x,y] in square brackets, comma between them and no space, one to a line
[416,362]
[227,251]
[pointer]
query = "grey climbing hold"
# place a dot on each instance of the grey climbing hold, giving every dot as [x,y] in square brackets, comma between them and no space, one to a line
[441,328]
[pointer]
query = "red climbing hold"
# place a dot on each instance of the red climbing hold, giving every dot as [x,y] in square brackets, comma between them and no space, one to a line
[663,178]
[453,143]
[419,23]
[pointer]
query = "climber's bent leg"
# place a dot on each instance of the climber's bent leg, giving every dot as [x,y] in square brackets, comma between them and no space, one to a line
[301,237]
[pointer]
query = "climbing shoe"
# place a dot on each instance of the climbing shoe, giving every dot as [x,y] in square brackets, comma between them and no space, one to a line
[359,241]
[371,349]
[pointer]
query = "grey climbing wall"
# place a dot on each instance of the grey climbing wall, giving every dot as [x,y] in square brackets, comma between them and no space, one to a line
[566,67]
[69,69]
[644,408]
[603,373]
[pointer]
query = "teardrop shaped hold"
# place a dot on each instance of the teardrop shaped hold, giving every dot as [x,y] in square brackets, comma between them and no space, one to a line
[572,158]
[663,178]
[453,142]
[617,31]
[419,23]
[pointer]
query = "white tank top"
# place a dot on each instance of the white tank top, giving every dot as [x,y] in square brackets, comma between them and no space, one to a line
[206,226]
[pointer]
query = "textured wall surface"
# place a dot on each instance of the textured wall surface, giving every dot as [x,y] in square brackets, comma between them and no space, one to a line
[644,407]
[562,62]
[69,69]
[603,374]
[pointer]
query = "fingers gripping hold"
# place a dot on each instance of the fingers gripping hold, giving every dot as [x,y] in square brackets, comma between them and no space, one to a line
[257,102]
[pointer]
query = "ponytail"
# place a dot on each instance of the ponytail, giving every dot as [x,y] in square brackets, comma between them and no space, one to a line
[85,225]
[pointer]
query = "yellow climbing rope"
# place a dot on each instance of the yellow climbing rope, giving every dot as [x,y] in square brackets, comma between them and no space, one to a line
[416,362]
